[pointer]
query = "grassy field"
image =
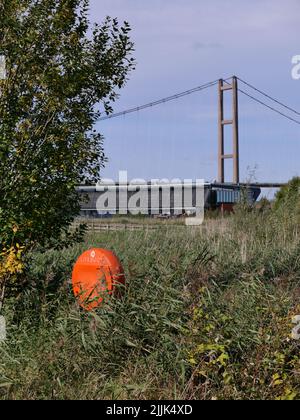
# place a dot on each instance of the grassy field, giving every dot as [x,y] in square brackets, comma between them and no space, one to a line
[207,314]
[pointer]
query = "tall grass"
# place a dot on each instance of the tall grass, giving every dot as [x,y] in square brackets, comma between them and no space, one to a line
[206,314]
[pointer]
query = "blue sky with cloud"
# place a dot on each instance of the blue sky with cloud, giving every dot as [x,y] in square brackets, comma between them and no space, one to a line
[185,43]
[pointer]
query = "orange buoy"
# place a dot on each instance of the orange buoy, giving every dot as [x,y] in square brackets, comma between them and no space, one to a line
[97,272]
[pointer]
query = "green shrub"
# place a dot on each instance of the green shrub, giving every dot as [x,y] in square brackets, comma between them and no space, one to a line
[289,195]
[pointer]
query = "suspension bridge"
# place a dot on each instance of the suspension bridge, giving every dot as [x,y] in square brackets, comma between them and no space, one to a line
[225,146]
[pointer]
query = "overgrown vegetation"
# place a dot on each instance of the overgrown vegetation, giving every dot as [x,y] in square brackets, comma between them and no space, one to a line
[207,314]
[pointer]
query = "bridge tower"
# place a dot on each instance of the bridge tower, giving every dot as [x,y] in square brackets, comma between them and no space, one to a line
[234,156]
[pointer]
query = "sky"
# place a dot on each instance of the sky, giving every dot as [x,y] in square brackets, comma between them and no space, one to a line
[180,44]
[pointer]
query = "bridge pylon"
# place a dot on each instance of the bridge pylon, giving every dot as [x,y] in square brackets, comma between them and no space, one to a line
[235,155]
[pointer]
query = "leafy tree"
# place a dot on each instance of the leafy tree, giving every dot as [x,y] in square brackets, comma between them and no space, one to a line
[59,69]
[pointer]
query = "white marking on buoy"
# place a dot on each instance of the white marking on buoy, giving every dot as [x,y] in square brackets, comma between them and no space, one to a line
[93,254]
